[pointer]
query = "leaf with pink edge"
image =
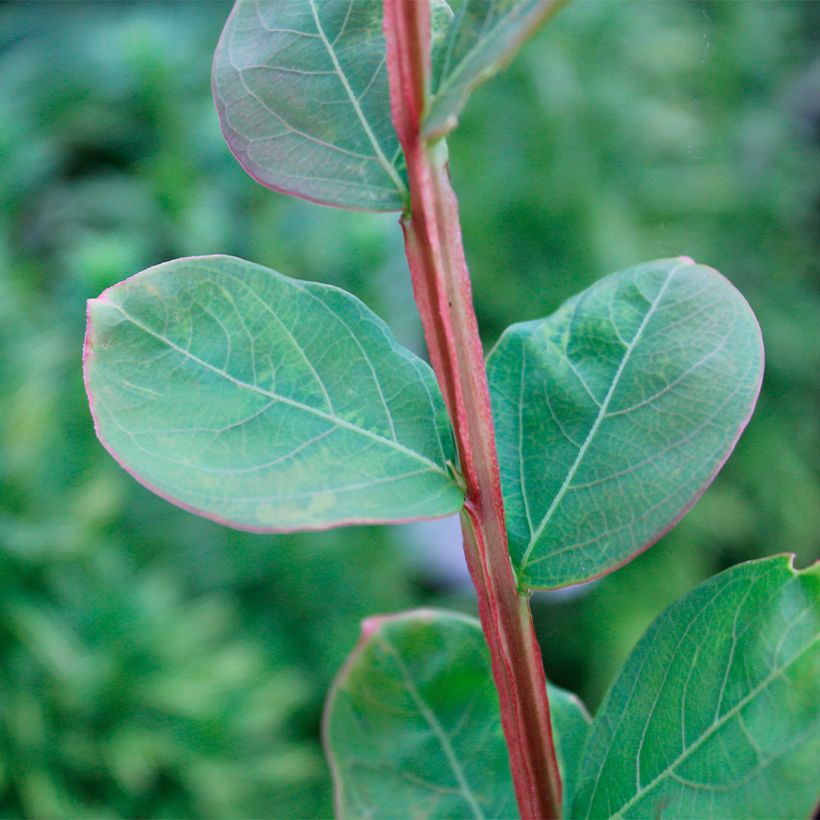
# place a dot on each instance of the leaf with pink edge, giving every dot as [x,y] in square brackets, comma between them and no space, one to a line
[263,402]
[413,728]
[615,413]
[302,95]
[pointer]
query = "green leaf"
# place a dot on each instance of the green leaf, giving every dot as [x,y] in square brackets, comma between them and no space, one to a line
[481,39]
[412,723]
[614,414]
[570,728]
[413,728]
[264,402]
[303,99]
[715,712]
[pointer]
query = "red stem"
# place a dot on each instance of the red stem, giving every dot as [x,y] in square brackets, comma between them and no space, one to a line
[441,283]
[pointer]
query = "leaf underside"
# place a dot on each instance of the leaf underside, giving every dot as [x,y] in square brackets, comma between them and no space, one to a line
[264,402]
[301,89]
[412,723]
[615,413]
[715,712]
[481,39]
[302,95]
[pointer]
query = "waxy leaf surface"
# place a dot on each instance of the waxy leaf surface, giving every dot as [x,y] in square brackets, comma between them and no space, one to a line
[303,99]
[264,402]
[480,40]
[715,711]
[413,728]
[615,413]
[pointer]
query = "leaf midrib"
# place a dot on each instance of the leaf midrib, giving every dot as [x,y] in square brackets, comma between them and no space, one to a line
[438,730]
[599,419]
[382,159]
[451,78]
[395,445]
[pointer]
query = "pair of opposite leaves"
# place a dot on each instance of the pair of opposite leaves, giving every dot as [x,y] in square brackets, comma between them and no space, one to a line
[714,713]
[302,90]
[271,404]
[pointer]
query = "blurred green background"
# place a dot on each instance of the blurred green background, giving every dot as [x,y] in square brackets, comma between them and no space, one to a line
[156,665]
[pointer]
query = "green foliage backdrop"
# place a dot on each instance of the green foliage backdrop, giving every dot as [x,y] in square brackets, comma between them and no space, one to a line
[155,664]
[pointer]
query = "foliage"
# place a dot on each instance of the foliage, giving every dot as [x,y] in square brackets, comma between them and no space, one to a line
[114,163]
[268,404]
[616,412]
[714,711]
[265,403]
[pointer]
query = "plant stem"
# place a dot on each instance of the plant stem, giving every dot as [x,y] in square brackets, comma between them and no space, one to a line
[441,284]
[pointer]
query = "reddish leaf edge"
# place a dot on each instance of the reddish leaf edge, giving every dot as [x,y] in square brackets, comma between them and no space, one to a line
[87,358]
[255,172]
[368,629]
[712,475]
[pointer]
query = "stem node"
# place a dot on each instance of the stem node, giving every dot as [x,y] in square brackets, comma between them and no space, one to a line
[443,293]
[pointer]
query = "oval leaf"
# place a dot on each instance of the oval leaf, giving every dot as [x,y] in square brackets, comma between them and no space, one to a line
[264,402]
[412,724]
[302,95]
[480,40]
[715,711]
[614,414]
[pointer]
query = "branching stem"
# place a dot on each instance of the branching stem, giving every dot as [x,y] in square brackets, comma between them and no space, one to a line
[443,293]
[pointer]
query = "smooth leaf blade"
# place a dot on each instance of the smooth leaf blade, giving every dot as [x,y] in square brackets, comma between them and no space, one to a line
[413,728]
[480,40]
[614,414]
[263,402]
[303,100]
[412,724]
[715,711]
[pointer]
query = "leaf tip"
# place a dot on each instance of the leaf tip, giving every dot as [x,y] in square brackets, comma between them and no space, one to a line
[374,623]
[370,626]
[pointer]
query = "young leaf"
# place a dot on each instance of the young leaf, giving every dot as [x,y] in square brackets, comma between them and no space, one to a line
[614,414]
[301,91]
[412,725]
[481,39]
[715,711]
[263,402]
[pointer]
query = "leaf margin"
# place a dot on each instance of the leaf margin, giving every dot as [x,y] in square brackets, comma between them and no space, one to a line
[87,359]
[257,173]
[780,561]
[719,464]
[437,124]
